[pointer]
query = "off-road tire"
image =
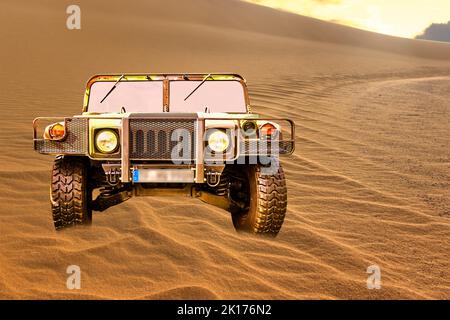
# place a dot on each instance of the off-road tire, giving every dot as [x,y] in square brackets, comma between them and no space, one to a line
[70,195]
[267,204]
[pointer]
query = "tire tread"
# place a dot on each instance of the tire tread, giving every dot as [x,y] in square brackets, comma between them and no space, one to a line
[272,203]
[68,194]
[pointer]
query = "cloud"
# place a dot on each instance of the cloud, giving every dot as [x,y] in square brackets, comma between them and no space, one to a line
[436,32]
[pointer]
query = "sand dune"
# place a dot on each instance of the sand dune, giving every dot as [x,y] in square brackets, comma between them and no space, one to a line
[368,184]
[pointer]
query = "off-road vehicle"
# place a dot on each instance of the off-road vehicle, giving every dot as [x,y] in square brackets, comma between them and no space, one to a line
[168,134]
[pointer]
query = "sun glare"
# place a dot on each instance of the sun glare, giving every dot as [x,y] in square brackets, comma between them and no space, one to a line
[403,18]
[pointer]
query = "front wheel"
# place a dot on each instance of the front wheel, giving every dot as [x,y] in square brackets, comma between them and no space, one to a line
[265,198]
[70,195]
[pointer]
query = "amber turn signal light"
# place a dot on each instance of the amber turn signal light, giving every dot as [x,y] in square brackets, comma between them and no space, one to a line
[267,129]
[57,131]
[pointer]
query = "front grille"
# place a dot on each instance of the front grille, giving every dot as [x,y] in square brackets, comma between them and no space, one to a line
[74,143]
[162,139]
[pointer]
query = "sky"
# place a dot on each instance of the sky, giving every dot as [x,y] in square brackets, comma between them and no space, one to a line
[403,18]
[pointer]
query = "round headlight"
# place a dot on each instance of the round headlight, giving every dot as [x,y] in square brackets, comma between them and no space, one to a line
[218,141]
[106,141]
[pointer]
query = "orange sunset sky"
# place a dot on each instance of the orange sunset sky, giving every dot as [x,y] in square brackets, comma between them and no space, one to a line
[403,18]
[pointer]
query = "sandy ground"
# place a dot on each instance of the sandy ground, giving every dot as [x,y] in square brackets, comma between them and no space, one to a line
[368,184]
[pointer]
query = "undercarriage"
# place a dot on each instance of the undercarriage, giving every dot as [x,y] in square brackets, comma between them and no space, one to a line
[225,186]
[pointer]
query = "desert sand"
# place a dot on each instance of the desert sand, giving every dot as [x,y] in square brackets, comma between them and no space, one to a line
[368,183]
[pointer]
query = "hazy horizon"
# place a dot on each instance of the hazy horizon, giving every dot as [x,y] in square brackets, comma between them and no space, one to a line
[371,15]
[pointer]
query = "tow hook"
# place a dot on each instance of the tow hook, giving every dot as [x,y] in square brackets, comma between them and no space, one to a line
[213,178]
[112,174]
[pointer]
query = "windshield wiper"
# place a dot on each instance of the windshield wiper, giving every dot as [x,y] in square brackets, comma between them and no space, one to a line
[201,83]
[112,89]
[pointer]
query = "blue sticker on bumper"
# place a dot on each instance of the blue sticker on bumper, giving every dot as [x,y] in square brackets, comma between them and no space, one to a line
[135,175]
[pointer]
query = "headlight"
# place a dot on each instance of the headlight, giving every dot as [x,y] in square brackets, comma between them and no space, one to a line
[218,141]
[106,141]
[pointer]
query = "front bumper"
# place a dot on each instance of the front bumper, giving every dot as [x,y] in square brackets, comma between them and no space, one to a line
[147,139]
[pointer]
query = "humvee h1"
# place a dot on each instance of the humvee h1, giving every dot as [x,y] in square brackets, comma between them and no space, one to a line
[168,134]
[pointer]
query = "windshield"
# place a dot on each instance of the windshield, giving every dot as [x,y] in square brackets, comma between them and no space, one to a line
[211,96]
[134,96]
[147,96]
